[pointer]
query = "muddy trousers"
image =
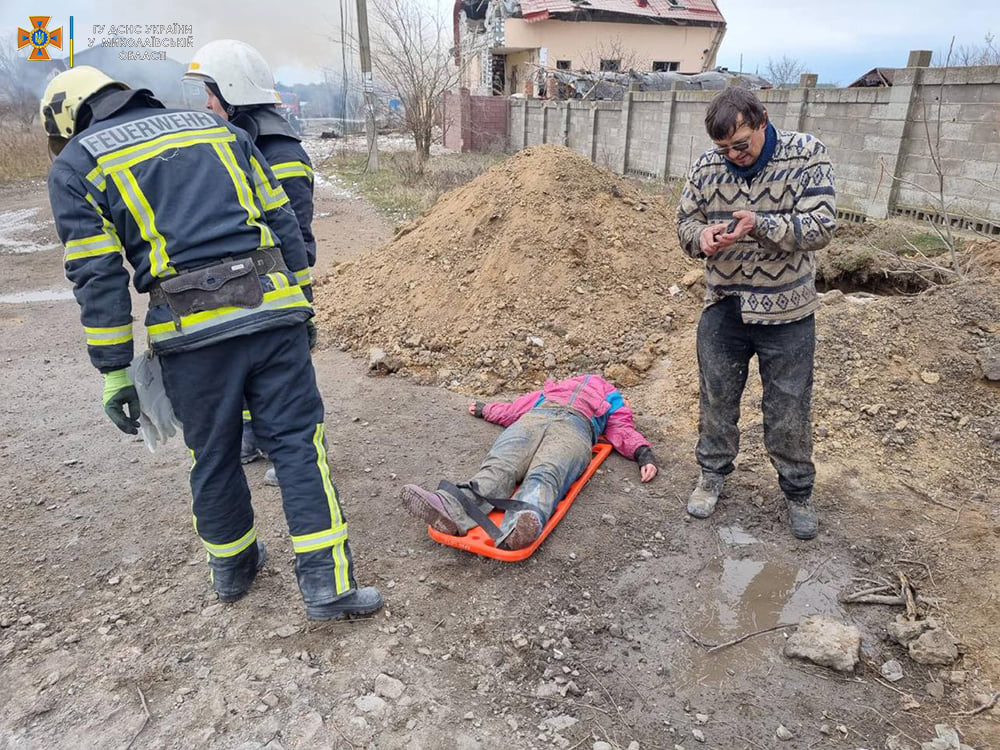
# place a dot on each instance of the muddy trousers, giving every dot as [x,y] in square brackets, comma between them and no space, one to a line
[272,370]
[785,358]
[546,450]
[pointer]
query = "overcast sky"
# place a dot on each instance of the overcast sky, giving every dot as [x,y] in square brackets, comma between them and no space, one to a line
[839,40]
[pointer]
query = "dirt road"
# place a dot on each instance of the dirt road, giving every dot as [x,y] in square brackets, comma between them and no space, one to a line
[110,636]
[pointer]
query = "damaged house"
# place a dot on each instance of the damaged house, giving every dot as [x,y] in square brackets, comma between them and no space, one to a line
[501,44]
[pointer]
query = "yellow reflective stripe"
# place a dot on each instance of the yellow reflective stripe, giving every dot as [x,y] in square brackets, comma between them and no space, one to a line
[279,299]
[96,178]
[269,197]
[132,155]
[232,548]
[142,212]
[246,415]
[279,280]
[88,247]
[320,540]
[303,277]
[336,519]
[243,192]
[292,169]
[108,336]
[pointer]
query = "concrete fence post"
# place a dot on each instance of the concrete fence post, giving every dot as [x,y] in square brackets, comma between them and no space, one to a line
[593,132]
[798,100]
[565,123]
[624,131]
[666,132]
[899,116]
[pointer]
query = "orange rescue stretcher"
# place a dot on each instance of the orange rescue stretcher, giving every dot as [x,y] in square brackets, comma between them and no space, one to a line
[480,543]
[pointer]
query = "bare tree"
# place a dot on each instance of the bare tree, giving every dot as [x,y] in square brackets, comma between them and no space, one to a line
[784,72]
[412,54]
[610,56]
[987,53]
[18,100]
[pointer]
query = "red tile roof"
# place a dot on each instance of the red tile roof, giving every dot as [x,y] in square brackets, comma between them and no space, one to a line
[691,10]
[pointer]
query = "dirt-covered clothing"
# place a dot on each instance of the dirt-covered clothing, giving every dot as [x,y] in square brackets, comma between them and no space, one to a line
[772,270]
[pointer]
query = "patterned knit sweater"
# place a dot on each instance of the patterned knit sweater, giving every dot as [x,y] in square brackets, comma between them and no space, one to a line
[772,269]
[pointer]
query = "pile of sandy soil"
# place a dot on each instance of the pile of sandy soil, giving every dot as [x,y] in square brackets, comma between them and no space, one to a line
[545,264]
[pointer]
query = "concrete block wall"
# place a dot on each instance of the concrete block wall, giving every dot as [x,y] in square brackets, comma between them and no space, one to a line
[876,136]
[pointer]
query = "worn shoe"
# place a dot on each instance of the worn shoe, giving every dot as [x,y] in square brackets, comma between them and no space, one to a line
[249,452]
[527,527]
[271,477]
[429,507]
[802,517]
[232,581]
[363,601]
[703,499]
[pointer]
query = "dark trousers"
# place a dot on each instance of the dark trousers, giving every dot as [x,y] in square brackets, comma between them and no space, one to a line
[785,358]
[272,371]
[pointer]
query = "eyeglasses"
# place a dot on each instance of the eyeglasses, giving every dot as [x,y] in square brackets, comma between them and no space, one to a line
[738,146]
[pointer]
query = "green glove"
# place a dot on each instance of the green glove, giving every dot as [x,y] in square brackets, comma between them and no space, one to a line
[119,392]
[311,330]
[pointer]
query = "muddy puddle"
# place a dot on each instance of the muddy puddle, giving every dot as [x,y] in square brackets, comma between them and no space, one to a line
[43,295]
[746,591]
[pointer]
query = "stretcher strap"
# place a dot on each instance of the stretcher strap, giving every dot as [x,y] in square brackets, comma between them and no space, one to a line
[471,507]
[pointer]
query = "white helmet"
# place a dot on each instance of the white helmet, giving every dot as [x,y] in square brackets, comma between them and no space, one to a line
[240,73]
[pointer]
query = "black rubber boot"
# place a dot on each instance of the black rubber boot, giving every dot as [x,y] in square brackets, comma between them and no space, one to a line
[802,517]
[232,576]
[363,601]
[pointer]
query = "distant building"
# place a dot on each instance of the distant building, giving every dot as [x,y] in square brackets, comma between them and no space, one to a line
[503,43]
[878,77]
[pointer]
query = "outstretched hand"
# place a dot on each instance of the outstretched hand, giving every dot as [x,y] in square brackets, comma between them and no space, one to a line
[472,408]
[647,472]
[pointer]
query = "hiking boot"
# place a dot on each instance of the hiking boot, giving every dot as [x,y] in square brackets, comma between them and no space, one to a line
[430,508]
[249,452]
[232,577]
[271,477]
[705,495]
[801,517]
[363,601]
[527,527]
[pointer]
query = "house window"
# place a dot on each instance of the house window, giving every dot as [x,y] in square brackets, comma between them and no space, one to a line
[563,65]
[610,66]
[663,66]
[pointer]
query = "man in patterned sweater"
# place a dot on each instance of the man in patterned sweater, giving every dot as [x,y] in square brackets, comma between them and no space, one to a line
[756,208]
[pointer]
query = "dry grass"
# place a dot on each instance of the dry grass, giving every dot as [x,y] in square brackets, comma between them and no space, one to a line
[403,188]
[23,153]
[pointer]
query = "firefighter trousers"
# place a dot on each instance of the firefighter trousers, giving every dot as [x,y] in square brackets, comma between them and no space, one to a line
[272,371]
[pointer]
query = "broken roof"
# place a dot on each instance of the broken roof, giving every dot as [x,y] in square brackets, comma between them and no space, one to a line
[680,12]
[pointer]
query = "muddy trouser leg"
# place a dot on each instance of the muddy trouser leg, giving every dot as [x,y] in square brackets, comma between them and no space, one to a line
[503,467]
[205,387]
[785,353]
[724,352]
[562,456]
[288,421]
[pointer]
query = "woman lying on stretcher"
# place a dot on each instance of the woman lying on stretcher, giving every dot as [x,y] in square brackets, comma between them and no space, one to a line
[546,447]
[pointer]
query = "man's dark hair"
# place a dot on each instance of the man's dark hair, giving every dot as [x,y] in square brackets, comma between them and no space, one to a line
[726,108]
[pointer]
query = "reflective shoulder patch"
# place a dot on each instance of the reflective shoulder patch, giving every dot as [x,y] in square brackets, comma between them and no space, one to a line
[138,131]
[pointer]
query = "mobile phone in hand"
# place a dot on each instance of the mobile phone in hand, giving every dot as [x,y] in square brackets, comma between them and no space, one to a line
[731,226]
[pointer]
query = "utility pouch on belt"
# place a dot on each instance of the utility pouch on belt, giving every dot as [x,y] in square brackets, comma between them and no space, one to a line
[233,283]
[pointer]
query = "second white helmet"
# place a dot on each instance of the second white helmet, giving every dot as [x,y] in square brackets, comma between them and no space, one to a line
[239,71]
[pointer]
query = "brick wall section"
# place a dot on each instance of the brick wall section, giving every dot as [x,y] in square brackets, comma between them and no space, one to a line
[877,137]
[476,123]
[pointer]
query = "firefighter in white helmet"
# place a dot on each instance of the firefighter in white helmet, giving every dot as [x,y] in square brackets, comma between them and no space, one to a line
[239,86]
